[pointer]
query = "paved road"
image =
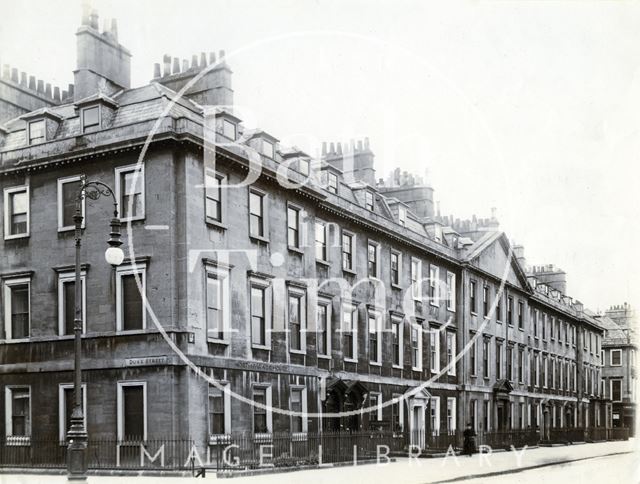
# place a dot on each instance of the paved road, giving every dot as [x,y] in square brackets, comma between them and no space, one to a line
[618,469]
[602,463]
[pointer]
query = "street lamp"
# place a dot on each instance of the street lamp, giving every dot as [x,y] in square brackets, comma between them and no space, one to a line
[77,437]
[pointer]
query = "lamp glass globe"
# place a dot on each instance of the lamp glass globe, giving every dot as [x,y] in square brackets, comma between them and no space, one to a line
[114,256]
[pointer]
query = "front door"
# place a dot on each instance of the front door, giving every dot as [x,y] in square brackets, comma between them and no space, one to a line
[501,416]
[417,426]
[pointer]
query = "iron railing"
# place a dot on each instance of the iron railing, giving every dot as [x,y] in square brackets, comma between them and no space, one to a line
[101,454]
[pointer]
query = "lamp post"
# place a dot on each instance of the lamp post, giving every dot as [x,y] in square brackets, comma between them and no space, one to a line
[77,437]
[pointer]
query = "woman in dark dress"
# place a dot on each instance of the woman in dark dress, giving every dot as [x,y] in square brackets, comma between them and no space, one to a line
[469,441]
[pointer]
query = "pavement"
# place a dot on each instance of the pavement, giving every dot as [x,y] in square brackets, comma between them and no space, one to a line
[599,462]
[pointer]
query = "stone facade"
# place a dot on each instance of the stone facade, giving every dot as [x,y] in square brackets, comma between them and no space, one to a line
[409,267]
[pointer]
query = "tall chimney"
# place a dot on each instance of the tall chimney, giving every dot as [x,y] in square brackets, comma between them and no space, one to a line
[102,63]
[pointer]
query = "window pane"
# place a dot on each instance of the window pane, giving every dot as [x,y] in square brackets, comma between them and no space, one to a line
[91,120]
[133,412]
[36,131]
[131,198]
[214,309]
[69,301]
[216,413]
[259,413]
[19,205]
[228,129]
[213,197]
[69,193]
[258,330]
[131,303]
[20,311]
[20,423]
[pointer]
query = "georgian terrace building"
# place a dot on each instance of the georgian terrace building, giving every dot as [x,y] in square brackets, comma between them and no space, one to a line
[245,284]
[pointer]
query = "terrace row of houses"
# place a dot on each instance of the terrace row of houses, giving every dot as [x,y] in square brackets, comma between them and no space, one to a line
[263,290]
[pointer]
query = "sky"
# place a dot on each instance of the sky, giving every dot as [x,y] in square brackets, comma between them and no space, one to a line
[529,107]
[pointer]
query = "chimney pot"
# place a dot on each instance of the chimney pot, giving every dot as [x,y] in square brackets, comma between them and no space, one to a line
[114,28]
[105,26]
[339,148]
[6,71]
[64,94]
[156,70]
[86,13]
[32,82]
[332,148]
[212,57]
[14,75]
[194,61]
[176,65]
[93,19]
[203,59]
[221,55]
[56,93]
[166,61]
[366,143]
[71,89]
[185,65]
[23,78]
[47,90]
[40,85]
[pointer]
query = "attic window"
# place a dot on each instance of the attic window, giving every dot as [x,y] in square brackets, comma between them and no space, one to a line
[332,183]
[402,216]
[36,132]
[229,129]
[91,119]
[267,148]
[303,166]
[368,200]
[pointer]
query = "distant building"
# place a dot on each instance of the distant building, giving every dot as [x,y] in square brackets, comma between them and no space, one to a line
[619,377]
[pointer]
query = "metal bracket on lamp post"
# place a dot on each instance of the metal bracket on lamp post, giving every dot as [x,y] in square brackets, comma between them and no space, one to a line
[77,436]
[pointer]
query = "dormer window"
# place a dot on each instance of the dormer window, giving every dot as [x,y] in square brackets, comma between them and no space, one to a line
[368,200]
[303,166]
[267,149]
[332,183]
[229,129]
[402,216]
[37,132]
[91,119]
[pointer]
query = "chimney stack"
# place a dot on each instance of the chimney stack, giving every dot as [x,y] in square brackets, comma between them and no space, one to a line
[101,60]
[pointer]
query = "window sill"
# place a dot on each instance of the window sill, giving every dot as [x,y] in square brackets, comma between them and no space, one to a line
[215,224]
[296,250]
[132,219]
[451,310]
[259,239]
[324,357]
[125,332]
[396,286]
[323,262]
[218,341]
[375,363]
[17,340]
[350,360]
[261,347]
[69,228]
[473,313]
[349,271]
[415,368]
[16,236]
[435,305]
[397,367]
[297,352]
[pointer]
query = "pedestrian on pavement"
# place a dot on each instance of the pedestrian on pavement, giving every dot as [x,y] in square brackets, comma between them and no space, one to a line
[469,441]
